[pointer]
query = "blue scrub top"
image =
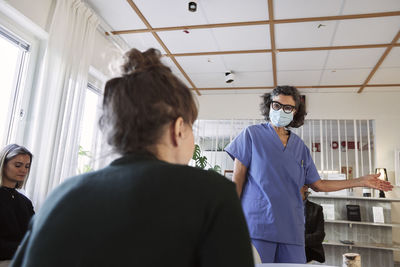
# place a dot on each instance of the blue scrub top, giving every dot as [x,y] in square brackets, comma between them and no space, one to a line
[271,197]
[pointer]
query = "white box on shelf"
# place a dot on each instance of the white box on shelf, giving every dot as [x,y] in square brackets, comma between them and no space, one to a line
[378,214]
[329,211]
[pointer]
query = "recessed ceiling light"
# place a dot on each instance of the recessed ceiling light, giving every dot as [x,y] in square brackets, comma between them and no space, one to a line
[229,77]
[192,6]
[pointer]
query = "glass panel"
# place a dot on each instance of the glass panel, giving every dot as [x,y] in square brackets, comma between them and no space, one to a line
[10,64]
[332,143]
[87,144]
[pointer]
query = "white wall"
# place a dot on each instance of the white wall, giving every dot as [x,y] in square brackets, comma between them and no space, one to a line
[39,11]
[106,56]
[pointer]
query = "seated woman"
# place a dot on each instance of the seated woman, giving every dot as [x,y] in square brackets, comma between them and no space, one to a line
[148,208]
[15,209]
[314,228]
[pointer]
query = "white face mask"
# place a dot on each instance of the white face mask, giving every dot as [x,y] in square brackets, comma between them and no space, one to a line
[279,118]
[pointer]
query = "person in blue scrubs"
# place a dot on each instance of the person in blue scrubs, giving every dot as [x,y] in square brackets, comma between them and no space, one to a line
[271,164]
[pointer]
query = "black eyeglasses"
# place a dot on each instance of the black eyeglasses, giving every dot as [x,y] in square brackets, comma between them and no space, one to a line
[286,108]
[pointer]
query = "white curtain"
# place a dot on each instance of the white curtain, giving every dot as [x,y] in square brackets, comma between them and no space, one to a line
[54,130]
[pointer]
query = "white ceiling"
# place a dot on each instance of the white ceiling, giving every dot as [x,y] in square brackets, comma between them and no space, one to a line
[252,60]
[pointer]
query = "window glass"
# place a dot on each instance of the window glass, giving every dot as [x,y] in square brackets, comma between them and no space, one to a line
[12,55]
[89,130]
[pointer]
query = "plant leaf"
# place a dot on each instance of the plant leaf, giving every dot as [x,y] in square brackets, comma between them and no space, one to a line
[202,162]
[216,168]
[196,152]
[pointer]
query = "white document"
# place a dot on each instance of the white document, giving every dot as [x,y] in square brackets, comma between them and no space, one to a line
[378,214]
[329,211]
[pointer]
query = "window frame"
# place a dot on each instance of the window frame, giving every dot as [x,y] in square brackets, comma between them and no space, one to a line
[28,32]
[96,131]
[18,84]
[95,146]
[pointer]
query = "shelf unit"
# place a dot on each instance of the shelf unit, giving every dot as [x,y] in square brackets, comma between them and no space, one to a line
[391,247]
[350,223]
[350,197]
[373,241]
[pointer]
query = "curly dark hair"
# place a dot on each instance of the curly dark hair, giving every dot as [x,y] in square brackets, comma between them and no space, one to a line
[299,116]
[139,104]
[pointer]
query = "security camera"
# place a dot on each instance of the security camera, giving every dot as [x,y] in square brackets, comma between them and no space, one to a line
[229,77]
[192,6]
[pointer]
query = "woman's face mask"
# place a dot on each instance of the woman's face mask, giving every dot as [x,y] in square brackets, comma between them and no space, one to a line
[282,110]
[279,118]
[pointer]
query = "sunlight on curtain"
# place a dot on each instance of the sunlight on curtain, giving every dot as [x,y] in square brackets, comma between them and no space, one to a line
[55,131]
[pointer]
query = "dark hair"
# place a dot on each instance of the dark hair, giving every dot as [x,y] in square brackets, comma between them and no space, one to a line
[8,153]
[138,105]
[299,116]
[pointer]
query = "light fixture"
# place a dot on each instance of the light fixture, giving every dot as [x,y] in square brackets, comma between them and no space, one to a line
[383,176]
[192,6]
[229,77]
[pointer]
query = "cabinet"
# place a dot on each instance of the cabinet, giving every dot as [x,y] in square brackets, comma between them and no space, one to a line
[373,241]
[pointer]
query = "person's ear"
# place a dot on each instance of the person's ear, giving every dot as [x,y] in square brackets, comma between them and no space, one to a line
[178,130]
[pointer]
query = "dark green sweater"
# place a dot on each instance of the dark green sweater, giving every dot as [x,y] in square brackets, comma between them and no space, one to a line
[140,211]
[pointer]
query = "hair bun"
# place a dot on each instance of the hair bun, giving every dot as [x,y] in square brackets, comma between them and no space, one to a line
[136,60]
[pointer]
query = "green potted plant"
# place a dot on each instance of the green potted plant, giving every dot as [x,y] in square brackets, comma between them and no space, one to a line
[202,162]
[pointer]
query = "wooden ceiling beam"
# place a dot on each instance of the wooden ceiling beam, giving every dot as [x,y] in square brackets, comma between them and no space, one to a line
[340,47]
[155,35]
[272,39]
[298,87]
[383,85]
[380,61]
[221,53]
[298,49]
[260,22]
[236,88]
[341,17]
[194,27]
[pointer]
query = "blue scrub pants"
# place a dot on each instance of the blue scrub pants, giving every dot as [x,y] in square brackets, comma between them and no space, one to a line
[271,252]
